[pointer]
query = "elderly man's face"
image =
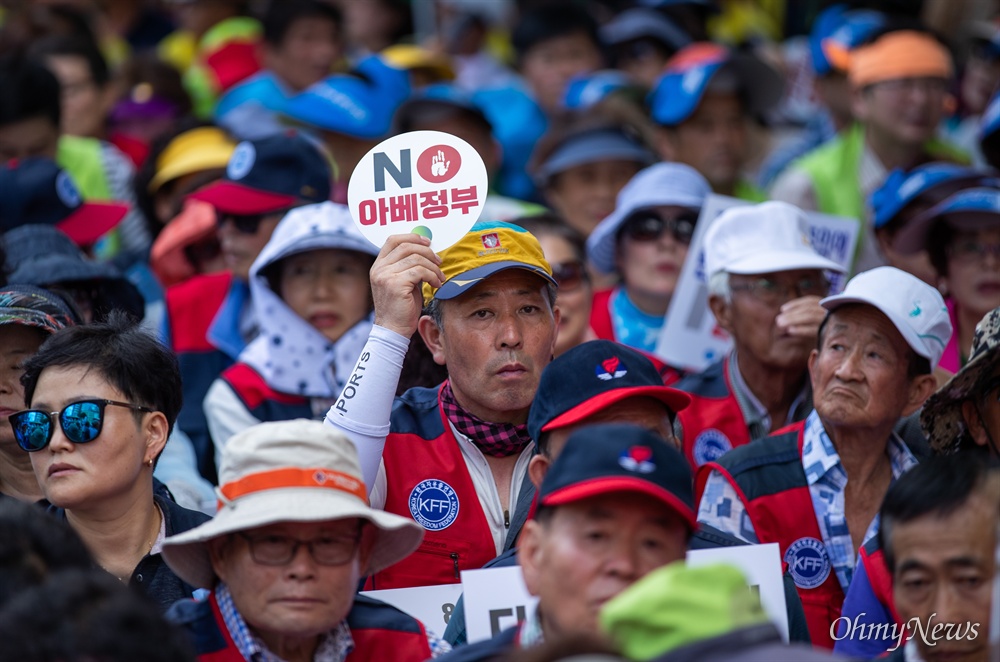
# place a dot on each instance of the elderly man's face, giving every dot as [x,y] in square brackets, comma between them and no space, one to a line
[859,374]
[945,564]
[298,599]
[750,316]
[495,340]
[589,551]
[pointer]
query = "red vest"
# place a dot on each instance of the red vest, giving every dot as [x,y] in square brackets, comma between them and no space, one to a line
[380,633]
[873,559]
[427,480]
[769,479]
[713,423]
[265,403]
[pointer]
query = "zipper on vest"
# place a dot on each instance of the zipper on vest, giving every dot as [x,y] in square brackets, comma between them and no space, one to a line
[506,519]
[454,560]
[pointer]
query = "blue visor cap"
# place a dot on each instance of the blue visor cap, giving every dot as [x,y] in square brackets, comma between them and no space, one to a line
[901,187]
[594,146]
[972,209]
[360,104]
[838,31]
[584,91]
[689,73]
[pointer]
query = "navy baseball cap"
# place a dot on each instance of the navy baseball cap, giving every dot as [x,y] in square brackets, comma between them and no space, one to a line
[901,187]
[643,22]
[971,209]
[836,31]
[688,74]
[593,376]
[438,96]
[615,457]
[38,192]
[358,104]
[270,175]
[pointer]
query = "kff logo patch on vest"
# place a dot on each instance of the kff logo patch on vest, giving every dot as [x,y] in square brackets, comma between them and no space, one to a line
[434,505]
[807,562]
[709,446]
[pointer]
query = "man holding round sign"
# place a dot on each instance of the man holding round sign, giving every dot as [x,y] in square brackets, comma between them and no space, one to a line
[454,457]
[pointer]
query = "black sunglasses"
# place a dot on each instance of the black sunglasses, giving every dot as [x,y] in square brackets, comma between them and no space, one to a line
[81,422]
[243,224]
[569,275]
[650,226]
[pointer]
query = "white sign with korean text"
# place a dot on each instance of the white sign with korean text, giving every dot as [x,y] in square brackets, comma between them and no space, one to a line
[495,599]
[761,564]
[431,605]
[690,338]
[427,182]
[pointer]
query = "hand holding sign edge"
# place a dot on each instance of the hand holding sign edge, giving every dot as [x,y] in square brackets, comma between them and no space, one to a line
[404,263]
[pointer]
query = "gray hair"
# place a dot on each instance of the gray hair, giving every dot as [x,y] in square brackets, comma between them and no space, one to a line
[718,285]
[433,309]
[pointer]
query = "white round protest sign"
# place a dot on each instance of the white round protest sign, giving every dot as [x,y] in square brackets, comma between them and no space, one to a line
[426,182]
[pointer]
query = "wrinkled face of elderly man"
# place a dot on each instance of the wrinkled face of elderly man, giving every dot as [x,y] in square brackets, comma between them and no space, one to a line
[757,301]
[293,581]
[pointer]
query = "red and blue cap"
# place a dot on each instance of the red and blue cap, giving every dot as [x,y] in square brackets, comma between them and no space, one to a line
[931,181]
[688,74]
[270,175]
[38,192]
[593,376]
[614,458]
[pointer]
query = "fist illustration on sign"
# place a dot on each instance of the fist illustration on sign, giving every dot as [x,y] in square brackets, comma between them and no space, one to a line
[439,167]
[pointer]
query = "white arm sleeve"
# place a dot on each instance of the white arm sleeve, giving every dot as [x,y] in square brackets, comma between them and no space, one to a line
[364,406]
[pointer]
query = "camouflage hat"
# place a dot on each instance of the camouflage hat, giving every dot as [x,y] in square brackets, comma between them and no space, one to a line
[26,305]
[941,417]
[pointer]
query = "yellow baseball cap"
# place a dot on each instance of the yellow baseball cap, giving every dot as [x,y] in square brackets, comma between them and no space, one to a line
[489,247]
[203,148]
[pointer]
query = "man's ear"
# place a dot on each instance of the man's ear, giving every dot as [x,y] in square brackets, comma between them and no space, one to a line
[218,549]
[973,423]
[530,554]
[722,311]
[537,468]
[859,104]
[921,389]
[433,338]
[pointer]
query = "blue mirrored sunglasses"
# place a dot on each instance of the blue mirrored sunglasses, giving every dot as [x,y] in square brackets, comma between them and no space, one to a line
[81,422]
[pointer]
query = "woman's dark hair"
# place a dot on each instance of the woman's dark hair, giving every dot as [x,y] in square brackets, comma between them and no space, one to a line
[938,244]
[553,225]
[33,545]
[551,21]
[128,357]
[88,615]
[29,91]
[74,46]
[281,14]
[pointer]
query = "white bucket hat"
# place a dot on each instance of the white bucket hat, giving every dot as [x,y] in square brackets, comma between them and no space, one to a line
[290,471]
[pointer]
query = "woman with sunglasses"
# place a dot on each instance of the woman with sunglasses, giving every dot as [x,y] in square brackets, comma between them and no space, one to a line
[102,401]
[644,242]
[312,298]
[962,238]
[565,250]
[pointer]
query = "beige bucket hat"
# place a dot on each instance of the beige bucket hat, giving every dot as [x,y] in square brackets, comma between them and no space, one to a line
[291,471]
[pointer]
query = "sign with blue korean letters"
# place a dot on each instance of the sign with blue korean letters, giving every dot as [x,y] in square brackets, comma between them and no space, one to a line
[427,182]
[690,338]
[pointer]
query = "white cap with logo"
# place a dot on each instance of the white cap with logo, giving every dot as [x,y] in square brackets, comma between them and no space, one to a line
[761,239]
[915,308]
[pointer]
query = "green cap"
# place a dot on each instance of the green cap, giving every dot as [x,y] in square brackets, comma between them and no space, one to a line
[678,605]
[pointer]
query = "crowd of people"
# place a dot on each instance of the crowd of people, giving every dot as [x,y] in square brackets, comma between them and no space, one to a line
[229,415]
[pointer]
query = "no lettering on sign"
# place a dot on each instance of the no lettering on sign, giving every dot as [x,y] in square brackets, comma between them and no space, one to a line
[427,182]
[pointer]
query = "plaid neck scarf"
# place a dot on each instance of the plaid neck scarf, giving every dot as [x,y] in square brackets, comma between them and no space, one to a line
[496,439]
